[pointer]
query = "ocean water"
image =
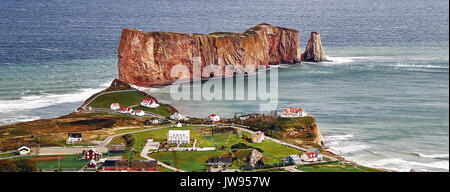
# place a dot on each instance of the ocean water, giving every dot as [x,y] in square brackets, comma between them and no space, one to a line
[382,102]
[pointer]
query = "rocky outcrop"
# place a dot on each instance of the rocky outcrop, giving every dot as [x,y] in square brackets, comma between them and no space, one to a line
[146,59]
[314,51]
[254,157]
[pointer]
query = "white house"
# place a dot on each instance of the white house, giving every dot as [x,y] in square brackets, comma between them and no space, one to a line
[178,124]
[24,150]
[140,113]
[293,112]
[73,138]
[123,110]
[150,139]
[155,121]
[258,137]
[293,159]
[149,102]
[214,118]
[115,106]
[178,137]
[177,116]
[311,156]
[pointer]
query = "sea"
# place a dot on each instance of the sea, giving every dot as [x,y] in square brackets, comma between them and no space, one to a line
[382,100]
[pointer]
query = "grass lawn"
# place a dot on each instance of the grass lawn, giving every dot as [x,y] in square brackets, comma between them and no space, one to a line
[9,154]
[273,152]
[67,163]
[123,98]
[162,109]
[160,135]
[335,167]
[187,160]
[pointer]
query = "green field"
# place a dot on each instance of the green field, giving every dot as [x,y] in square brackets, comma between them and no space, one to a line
[160,135]
[335,167]
[187,160]
[162,109]
[125,99]
[273,152]
[68,163]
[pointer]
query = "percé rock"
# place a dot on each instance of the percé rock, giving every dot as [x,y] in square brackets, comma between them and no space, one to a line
[146,59]
[314,51]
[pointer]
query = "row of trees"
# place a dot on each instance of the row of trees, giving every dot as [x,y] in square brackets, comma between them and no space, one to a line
[17,165]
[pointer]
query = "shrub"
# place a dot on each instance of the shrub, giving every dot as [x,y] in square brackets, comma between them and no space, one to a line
[25,165]
[7,166]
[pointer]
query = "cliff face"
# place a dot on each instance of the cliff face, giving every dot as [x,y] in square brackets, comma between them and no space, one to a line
[314,51]
[146,59]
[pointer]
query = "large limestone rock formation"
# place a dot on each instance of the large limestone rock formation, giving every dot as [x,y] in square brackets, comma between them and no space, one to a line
[314,51]
[146,59]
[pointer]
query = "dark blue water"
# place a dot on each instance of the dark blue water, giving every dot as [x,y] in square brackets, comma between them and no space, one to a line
[383,102]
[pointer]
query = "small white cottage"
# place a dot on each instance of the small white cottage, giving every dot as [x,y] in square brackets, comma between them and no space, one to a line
[115,106]
[24,150]
[140,113]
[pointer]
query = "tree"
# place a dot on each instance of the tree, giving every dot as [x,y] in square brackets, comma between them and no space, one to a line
[7,166]
[25,165]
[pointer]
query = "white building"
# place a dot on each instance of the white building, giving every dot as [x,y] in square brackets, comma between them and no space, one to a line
[311,156]
[24,150]
[140,113]
[293,112]
[149,102]
[155,121]
[177,116]
[178,137]
[258,137]
[73,138]
[178,124]
[293,159]
[214,118]
[150,139]
[115,106]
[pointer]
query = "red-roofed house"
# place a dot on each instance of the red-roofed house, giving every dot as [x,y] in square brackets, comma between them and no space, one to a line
[91,154]
[311,156]
[149,102]
[115,106]
[123,110]
[140,113]
[294,112]
[214,118]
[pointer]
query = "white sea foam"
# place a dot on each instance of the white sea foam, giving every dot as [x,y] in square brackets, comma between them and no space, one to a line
[421,66]
[433,156]
[398,164]
[38,101]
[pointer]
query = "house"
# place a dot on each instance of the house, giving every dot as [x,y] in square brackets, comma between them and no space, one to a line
[311,156]
[123,110]
[177,116]
[178,137]
[92,165]
[109,165]
[114,149]
[293,112]
[155,121]
[150,139]
[144,165]
[115,106]
[149,102]
[315,150]
[294,159]
[219,161]
[24,150]
[140,113]
[73,138]
[258,137]
[91,154]
[178,124]
[214,118]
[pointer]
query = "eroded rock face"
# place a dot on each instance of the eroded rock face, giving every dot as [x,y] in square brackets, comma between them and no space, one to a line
[146,59]
[314,51]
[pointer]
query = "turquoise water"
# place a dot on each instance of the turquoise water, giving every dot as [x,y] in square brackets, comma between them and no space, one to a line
[382,102]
